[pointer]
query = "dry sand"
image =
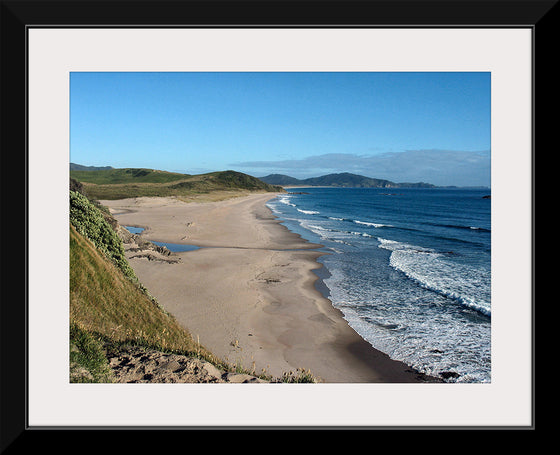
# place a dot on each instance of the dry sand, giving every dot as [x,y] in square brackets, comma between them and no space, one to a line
[249,295]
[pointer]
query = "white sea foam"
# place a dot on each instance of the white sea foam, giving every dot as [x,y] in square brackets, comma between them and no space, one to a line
[285,200]
[362,234]
[308,212]
[335,235]
[397,326]
[367,223]
[431,269]
[327,233]
[318,230]
[314,227]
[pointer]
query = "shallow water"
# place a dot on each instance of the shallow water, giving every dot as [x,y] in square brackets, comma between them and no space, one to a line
[176,247]
[134,229]
[173,247]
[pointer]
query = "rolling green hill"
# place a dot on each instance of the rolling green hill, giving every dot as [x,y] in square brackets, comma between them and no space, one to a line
[125,175]
[123,183]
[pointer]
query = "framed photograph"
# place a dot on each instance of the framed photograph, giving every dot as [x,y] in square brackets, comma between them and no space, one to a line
[290,87]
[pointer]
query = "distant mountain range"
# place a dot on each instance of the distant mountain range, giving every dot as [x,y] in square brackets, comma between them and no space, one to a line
[344,180]
[80,167]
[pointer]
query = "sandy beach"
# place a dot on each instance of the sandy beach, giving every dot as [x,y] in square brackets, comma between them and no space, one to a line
[248,294]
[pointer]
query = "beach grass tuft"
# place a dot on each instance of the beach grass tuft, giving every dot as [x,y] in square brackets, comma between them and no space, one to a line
[301,375]
[87,357]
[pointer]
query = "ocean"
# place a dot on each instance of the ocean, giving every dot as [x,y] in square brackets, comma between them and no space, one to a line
[409,269]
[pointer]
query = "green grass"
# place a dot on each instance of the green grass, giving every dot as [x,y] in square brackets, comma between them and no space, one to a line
[106,303]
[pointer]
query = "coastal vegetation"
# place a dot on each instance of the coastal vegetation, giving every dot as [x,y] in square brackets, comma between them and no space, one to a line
[89,221]
[108,305]
[111,310]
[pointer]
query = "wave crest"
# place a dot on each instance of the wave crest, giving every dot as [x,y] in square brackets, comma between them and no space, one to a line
[430,269]
[367,223]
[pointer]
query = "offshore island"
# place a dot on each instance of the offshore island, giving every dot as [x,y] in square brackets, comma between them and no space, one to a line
[238,304]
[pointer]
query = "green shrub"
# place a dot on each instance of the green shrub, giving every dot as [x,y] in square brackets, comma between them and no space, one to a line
[88,362]
[89,221]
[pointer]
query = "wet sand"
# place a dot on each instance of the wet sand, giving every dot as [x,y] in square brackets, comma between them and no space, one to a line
[249,293]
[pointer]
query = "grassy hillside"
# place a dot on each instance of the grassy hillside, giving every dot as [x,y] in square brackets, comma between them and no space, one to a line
[108,304]
[125,183]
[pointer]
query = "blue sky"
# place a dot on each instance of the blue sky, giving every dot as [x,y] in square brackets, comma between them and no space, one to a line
[404,127]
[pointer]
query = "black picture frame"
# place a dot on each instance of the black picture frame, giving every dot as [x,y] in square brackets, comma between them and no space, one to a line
[19,16]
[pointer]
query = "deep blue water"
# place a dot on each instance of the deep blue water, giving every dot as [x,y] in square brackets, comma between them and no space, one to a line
[409,269]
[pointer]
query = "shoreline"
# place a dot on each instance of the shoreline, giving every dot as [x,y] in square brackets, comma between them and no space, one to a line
[255,297]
